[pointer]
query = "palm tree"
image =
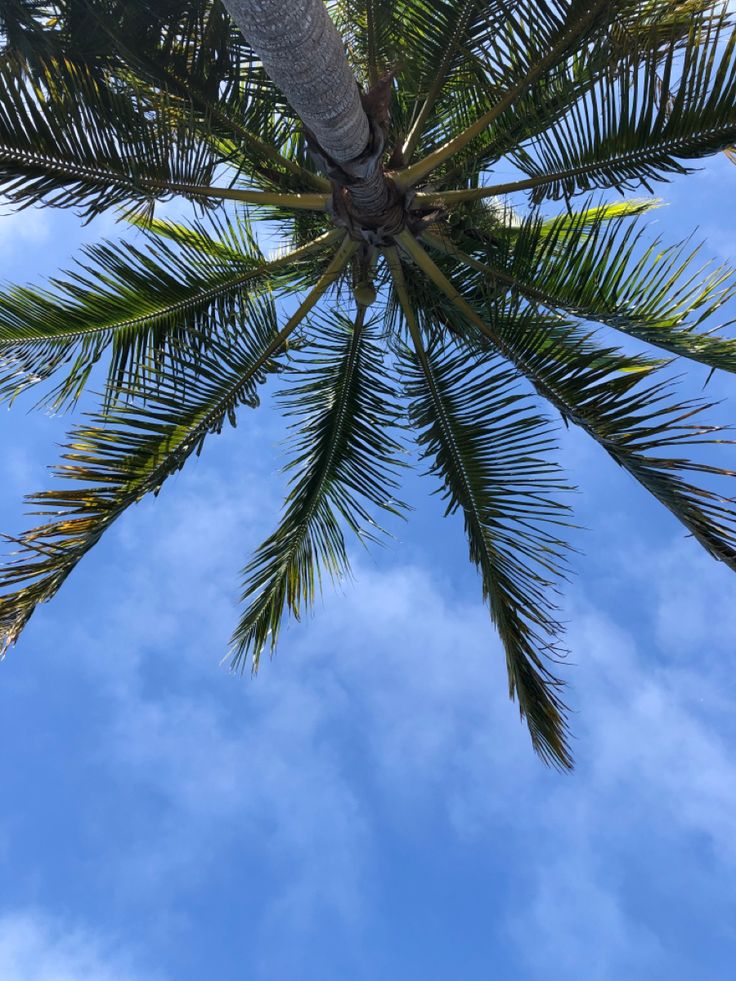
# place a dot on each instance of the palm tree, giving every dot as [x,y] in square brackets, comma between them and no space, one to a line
[367,132]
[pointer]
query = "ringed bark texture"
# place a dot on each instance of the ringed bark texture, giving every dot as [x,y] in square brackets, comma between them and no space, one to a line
[304,56]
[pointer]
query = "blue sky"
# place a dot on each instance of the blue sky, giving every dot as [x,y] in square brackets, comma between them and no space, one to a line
[369,806]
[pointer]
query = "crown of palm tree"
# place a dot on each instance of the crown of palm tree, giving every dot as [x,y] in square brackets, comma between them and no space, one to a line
[425,302]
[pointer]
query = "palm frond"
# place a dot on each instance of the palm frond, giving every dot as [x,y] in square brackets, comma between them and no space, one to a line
[368,28]
[444,52]
[623,134]
[149,308]
[344,460]
[601,270]
[523,52]
[647,31]
[489,449]
[127,452]
[631,416]
[132,447]
[640,422]
[69,141]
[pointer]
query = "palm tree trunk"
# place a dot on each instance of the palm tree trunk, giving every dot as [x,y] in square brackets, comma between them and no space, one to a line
[304,56]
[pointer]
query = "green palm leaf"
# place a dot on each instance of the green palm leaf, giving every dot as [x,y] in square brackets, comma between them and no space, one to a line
[147,307]
[626,32]
[489,449]
[638,421]
[526,48]
[625,132]
[127,452]
[69,141]
[633,418]
[344,460]
[130,449]
[600,269]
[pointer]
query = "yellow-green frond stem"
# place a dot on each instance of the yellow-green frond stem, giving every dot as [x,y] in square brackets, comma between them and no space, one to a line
[343,408]
[488,449]
[265,199]
[631,424]
[131,449]
[582,23]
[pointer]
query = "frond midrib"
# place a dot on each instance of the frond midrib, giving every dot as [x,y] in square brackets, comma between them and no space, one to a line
[66,167]
[636,154]
[451,438]
[180,306]
[623,320]
[301,530]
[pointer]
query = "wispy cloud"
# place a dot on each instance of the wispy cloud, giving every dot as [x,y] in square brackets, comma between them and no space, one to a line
[386,716]
[412,678]
[20,229]
[37,947]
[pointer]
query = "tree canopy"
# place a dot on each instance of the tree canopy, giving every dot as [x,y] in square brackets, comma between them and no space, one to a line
[446,316]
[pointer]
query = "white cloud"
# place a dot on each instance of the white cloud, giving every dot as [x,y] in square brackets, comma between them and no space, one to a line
[20,229]
[267,777]
[417,678]
[575,927]
[656,778]
[35,947]
[694,605]
[411,679]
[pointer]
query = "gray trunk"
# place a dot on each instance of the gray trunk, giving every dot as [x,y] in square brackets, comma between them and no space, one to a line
[305,57]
